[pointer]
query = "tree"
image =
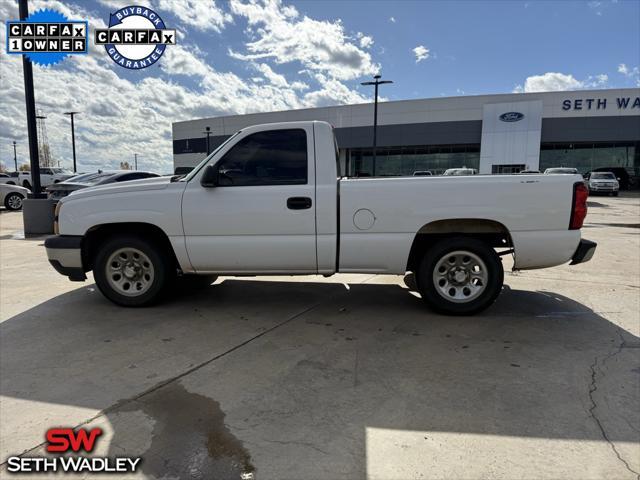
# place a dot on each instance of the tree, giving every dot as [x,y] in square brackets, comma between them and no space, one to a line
[125,166]
[2,168]
[24,167]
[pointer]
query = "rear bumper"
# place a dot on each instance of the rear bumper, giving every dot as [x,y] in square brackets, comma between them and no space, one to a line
[65,255]
[584,252]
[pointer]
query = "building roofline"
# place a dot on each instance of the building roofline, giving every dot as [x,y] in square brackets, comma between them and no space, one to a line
[523,95]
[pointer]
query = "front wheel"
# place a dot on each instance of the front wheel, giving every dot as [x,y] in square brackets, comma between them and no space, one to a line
[131,271]
[460,276]
[13,201]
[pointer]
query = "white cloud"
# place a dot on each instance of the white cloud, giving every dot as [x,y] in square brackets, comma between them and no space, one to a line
[281,34]
[203,15]
[421,53]
[595,6]
[392,19]
[332,92]
[184,60]
[366,41]
[631,73]
[555,81]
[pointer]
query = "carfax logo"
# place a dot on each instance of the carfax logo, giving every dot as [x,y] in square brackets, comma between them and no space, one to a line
[70,441]
[47,37]
[136,37]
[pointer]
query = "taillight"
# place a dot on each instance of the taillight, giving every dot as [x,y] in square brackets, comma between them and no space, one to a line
[579,207]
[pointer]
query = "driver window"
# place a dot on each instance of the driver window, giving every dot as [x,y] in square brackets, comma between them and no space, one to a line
[275,157]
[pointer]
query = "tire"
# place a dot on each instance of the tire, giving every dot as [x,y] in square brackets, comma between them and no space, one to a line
[13,201]
[11,183]
[615,194]
[126,264]
[26,184]
[468,284]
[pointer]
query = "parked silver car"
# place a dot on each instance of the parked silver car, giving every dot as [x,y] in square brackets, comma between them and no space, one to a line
[11,196]
[602,182]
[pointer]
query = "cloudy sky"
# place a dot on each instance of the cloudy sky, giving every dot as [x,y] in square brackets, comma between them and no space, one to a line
[243,56]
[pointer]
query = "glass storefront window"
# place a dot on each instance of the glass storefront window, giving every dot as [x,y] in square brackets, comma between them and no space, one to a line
[405,161]
[589,156]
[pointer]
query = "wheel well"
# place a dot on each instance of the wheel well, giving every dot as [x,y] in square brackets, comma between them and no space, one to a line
[97,235]
[493,233]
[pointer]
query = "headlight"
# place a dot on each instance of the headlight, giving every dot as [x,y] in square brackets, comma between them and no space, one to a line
[56,213]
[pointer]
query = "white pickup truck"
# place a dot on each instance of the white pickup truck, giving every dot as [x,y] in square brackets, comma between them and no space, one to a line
[271,201]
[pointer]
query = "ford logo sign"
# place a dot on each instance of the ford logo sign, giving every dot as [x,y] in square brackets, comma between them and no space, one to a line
[511,117]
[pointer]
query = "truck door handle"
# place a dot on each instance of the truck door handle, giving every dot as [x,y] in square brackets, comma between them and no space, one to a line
[298,203]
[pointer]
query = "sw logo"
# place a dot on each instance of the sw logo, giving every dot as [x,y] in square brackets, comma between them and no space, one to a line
[136,37]
[68,440]
[47,37]
[65,439]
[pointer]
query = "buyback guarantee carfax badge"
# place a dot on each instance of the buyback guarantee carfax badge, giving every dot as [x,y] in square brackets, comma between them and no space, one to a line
[136,37]
[47,37]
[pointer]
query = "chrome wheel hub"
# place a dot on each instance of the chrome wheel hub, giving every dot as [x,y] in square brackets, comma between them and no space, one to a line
[460,276]
[130,272]
[15,202]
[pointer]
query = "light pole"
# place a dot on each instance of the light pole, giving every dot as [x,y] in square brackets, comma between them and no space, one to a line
[207,130]
[30,101]
[376,82]
[73,138]
[15,155]
[135,161]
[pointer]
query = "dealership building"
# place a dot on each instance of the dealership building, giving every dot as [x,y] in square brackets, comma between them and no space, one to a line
[585,129]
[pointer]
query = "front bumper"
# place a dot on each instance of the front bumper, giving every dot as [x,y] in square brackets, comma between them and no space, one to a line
[65,255]
[584,252]
[603,188]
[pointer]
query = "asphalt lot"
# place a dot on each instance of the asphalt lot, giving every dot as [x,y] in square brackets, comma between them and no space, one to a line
[345,377]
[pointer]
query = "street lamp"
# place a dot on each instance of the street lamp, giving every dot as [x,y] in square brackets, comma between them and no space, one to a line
[30,103]
[135,160]
[73,138]
[376,82]
[208,132]
[15,156]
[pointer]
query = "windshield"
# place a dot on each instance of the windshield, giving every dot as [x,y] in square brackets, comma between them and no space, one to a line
[605,175]
[207,158]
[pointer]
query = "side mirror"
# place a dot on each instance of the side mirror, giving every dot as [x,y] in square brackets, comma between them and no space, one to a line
[209,177]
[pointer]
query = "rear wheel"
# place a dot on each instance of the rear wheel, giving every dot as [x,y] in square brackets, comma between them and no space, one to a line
[132,271]
[13,201]
[26,184]
[615,194]
[460,276]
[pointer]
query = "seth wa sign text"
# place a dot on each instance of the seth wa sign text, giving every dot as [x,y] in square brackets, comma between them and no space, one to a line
[600,103]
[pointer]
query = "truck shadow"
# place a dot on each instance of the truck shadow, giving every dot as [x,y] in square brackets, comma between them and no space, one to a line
[319,362]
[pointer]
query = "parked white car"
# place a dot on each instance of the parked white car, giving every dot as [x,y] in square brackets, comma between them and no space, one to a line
[11,196]
[460,171]
[48,176]
[269,201]
[16,178]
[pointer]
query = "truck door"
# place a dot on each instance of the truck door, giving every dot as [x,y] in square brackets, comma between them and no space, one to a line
[260,217]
